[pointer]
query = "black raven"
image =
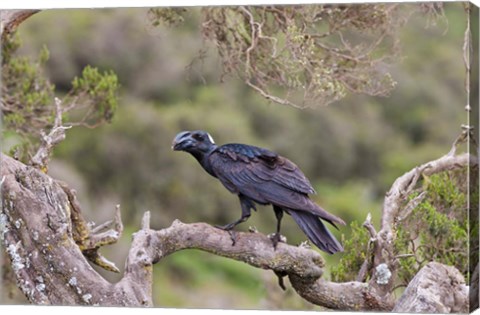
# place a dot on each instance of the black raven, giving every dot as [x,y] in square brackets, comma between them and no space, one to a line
[261,176]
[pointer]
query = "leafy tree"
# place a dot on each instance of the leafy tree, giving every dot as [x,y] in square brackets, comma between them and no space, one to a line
[28,104]
[305,55]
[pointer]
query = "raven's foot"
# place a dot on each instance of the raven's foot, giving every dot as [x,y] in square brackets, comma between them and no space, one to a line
[226,227]
[233,236]
[277,238]
[232,233]
[305,244]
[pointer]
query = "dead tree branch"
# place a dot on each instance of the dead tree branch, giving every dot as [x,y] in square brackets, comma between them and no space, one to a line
[367,264]
[10,19]
[90,240]
[345,296]
[50,140]
[252,248]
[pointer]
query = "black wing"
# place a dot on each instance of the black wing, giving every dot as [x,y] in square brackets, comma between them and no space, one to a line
[266,166]
[265,177]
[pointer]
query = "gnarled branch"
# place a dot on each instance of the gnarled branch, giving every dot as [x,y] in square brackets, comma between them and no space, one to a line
[10,19]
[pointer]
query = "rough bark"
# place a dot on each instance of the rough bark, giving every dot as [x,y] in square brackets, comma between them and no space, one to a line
[254,249]
[436,288]
[37,234]
[345,296]
[10,19]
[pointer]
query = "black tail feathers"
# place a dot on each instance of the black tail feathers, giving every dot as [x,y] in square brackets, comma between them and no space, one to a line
[316,231]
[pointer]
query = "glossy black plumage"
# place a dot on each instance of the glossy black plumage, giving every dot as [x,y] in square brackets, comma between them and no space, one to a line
[261,176]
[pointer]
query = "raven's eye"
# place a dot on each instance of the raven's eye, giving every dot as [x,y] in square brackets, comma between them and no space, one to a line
[198,137]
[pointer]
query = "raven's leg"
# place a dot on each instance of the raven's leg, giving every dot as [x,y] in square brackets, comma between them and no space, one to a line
[279,216]
[246,205]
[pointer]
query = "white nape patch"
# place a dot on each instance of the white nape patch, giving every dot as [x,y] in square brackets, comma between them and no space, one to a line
[210,138]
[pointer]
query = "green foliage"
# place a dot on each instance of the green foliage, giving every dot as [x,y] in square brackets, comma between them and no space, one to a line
[166,16]
[28,105]
[437,229]
[99,89]
[27,95]
[355,254]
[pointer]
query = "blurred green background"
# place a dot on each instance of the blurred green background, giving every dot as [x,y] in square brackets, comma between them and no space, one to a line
[351,150]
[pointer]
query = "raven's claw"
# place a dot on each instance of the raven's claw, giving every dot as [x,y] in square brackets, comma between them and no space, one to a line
[228,228]
[233,236]
[277,238]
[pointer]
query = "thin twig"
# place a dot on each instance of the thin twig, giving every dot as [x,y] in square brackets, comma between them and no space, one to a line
[369,226]
[146,221]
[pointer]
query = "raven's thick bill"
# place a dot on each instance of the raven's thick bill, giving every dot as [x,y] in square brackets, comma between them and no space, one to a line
[261,176]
